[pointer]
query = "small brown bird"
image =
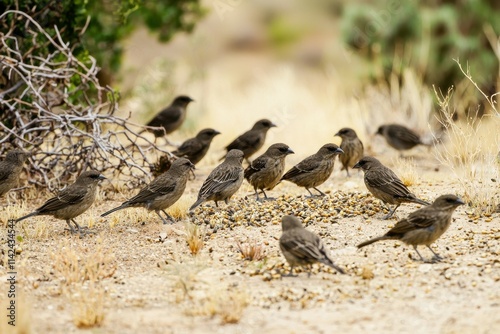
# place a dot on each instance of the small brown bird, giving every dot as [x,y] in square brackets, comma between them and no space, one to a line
[194,149]
[162,192]
[10,169]
[302,247]
[384,184]
[171,118]
[315,169]
[265,172]
[399,137]
[72,201]
[224,181]
[252,140]
[352,147]
[424,226]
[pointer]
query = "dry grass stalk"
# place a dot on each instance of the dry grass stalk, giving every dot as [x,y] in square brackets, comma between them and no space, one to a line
[407,171]
[87,302]
[194,238]
[251,251]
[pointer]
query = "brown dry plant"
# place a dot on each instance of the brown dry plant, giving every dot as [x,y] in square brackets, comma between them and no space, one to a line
[87,303]
[251,250]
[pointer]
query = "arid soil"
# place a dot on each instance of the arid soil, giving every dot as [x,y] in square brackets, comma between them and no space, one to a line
[141,276]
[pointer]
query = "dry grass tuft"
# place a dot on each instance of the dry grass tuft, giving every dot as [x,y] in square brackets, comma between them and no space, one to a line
[229,305]
[252,250]
[76,261]
[179,210]
[87,302]
[471,153]
[407,171]
[194,238]
[184,276]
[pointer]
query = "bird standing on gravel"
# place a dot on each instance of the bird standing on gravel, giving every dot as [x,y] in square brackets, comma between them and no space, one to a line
[72,201]
[315,169]
[194,149]
[252,140]
[385,185]
[10,169]
[399,137]
[424,226]
[265,172]
[352,147]
[302,247]
[224,181]
[171,118]
[162,192]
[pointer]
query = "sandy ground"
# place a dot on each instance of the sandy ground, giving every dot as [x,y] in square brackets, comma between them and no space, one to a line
[150,283]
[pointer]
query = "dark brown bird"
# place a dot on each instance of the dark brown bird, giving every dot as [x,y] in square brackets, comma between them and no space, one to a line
[399,137]
[162,192]
[252,140]
[384,184]
[224,181]
[72,201]
[352,147]
[302,247]
[265,172]
[424,226]
[10,169]
[315,169]
[196,148]
[171,118]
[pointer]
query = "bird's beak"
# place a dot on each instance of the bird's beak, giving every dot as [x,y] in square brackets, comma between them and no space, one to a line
[191,100]
[289,151]
[339,150]
[101,177]
[356,165]
[459,201]
[217,132]
[273,125]
[337,134]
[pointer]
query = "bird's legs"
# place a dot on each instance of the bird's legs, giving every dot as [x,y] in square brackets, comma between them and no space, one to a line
[290,274]
[416,250]
[437,257]
[321,193]
[163,219]
[391,212]
[82,230]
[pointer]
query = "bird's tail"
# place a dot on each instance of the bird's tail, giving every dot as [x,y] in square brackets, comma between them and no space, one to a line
[371,241]
[330,263]
[198,202]
[27,216]
[113,210]
[419,201]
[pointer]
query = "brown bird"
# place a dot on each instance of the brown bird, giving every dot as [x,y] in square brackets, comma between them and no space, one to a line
[352,147]
[252,140]
[384,184]
[224,181]
[399,137]
[10,169]
[72,201]
[302,247]
[315,169]
[162,192]
[171,118]
[194,149]
[265,172]
[423,226]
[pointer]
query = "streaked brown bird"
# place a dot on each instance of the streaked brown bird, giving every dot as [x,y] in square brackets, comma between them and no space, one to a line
[302,247]
[162,192]
[314,170]
[252,140]
[72,201]
[265,172]
[399,137]
[352,147]
[194,149]
[424,226]
[385,185]
[171,118]
[224,181]
[10,169]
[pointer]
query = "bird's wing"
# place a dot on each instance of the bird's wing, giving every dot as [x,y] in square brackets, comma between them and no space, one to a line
[303,248]
[388,180]
[167,115]
[307,165]
[219,179]
[158,187]
[403,134]
[416,220]
[69,196]
[257,165]
[247,140]
[4,171]
[189,147]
